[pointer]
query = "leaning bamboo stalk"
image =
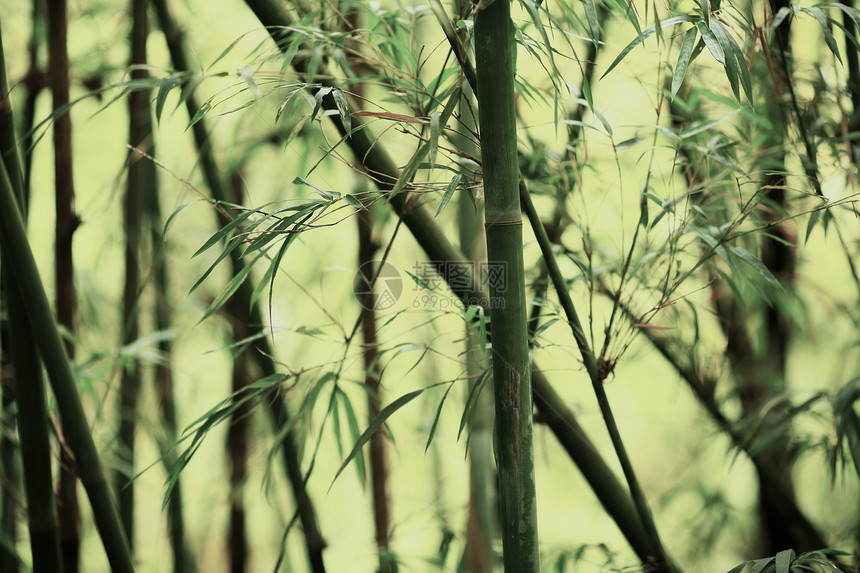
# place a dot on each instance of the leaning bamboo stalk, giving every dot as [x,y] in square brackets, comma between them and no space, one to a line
[277,410]
[379,166]
[659,560]
[16,250]
[494,45]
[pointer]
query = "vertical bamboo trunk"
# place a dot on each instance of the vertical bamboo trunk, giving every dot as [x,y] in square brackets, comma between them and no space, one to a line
[66,222]
[378,454]
[8,449]
[140,178]
[237,434]
[494,53]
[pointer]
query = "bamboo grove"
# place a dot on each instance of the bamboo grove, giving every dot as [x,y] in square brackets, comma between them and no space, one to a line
[505,285]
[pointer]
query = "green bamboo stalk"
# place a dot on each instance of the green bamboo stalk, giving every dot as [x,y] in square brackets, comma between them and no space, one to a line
[494,55]
[35,438]
[378,165]
[16,250]
[314,542]
[33,426]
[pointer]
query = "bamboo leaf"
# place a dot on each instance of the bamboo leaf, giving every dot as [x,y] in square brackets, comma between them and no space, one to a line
[758,266]
[711,42]
[375,424]
[436,418]
[434,136]
[351,199]
[230,289]
[684,58]
[819,15]
[343,109]
[593,21]
[449,192]
[352,422]
[164,88]
[783,560]
[759,565]
[647,34]
[248,75]
[330,195]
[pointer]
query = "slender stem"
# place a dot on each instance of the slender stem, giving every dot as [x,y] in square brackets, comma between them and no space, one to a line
[660,558]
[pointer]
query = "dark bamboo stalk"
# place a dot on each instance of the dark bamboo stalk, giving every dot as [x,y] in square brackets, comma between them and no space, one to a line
[237,433]
[378,452]
[141,175]
[367,248]
[34,82]
[314,542]
[66,223]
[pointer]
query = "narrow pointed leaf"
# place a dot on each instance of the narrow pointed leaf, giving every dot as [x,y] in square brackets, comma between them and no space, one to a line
[684,58]
[375,424]
[819,15]
[646,34]
[343,109]
[449,192]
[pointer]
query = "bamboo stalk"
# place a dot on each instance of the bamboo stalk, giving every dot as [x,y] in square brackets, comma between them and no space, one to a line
[237,433]
[494,45]
[66,223]
[141,175]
